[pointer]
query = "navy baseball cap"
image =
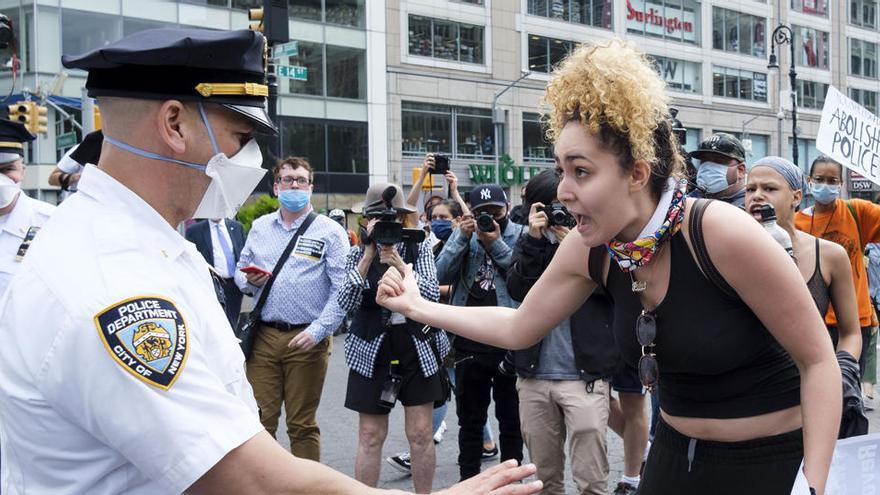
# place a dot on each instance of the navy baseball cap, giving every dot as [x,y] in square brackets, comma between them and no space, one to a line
[721,143]
[223,67]
[487,195]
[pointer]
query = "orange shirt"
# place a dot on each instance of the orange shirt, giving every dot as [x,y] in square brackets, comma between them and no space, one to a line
[840,226]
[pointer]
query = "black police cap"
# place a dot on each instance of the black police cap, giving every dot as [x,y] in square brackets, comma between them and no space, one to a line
[13,135]
[721,143]
[224,67]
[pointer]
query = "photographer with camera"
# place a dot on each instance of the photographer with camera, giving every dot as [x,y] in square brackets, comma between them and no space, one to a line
[563,379]
[391,358]
[475,260]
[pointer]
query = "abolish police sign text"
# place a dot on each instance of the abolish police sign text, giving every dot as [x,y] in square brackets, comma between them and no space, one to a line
[850,135]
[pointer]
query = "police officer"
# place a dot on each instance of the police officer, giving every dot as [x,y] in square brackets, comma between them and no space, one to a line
[20,215]
[128,379]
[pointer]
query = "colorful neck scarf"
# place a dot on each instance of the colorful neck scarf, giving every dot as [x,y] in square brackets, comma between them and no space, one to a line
[631,255]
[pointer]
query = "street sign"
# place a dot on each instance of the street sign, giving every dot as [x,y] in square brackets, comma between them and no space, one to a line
[65,140]
[294,72]
[289,49]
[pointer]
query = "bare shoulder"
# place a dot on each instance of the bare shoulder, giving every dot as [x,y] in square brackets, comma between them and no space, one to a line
[834,255]
[572,257]
[725,227]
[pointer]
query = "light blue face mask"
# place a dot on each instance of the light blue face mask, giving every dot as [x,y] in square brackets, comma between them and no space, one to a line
[294,200]
[232,178]
[712,177]
[824,193]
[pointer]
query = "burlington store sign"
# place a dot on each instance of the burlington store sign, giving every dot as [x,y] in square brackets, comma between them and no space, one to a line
[653,18]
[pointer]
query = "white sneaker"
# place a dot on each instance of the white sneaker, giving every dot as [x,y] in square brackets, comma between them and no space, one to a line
[438,437]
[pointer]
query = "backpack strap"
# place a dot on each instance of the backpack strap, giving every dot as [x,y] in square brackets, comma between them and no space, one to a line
[852,211]
[698,243]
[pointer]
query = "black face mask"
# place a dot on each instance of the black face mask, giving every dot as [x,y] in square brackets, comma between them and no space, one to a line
[502,223]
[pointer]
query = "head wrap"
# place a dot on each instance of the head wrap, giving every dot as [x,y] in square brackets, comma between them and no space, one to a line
[789,171]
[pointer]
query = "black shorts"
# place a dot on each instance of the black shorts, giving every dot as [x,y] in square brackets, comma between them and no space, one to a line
[627,381]
[362,394]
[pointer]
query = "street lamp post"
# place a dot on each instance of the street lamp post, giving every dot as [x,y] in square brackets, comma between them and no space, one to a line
[781,35]
[498,122]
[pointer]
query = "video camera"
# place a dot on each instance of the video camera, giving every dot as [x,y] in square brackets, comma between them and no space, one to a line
[388,231]
[557,214]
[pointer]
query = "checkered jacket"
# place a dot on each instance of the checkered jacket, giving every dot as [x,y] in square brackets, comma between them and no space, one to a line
[360,355]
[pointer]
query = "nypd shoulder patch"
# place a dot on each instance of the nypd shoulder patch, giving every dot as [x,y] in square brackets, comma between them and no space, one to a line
[147,336]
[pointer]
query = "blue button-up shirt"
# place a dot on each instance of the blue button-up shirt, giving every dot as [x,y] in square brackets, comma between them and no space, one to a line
[305,290]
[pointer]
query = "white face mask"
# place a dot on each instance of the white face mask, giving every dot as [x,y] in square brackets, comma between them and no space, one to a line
[233,178]
[232,181]
[9,190]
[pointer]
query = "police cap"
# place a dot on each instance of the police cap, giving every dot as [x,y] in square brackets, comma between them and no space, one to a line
[223,67]
[13,135]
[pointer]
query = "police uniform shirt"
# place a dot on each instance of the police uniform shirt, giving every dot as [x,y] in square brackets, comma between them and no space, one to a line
[125,377]
[28,213]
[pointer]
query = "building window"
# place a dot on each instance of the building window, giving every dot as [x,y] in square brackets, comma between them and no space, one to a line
[346,71]
[458,131]
[862,58]
[811,94]
[474,2]
[545,53]
[338,152]
[734,31]
[676,20]
[740,84]
[341,12]
[536,146]
[84,31]
[680,75]
[443,39]
[813,50]
[813,7]
[865,98]
[863,13]
[597,13]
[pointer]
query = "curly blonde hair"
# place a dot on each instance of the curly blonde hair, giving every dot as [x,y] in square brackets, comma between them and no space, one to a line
[614,91]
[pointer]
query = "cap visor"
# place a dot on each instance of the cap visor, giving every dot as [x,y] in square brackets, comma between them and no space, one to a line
[701,155]
[256,114]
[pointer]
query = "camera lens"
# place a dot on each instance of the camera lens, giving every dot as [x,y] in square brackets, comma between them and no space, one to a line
[485,222]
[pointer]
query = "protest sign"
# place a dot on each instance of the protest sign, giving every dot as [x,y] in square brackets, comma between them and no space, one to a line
[850,134]
[855,468]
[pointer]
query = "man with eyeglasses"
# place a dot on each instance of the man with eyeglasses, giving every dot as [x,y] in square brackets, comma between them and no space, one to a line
[722,171]
[291,349]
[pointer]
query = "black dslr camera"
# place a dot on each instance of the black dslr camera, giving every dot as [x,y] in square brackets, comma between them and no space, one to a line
[557,214]
[485,222]
[388,231]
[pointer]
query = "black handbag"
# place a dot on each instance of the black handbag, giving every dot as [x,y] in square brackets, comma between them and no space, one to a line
[247,333]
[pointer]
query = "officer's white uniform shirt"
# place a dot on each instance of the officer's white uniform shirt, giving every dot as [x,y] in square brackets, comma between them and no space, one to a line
[77,411]
[27,213]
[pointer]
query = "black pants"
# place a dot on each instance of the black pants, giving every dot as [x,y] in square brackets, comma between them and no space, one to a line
[476,378]
[681,465]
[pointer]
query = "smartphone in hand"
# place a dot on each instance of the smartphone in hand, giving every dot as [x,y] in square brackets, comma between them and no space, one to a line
[254,269]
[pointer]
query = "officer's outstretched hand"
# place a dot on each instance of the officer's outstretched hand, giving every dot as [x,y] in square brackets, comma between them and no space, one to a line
[397,292]
[500,480]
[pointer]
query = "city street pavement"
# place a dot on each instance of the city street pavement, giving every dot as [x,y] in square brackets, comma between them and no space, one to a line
[339,436]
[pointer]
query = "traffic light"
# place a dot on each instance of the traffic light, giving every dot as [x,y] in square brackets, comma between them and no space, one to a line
[18,112]
[39,119]
[255,16]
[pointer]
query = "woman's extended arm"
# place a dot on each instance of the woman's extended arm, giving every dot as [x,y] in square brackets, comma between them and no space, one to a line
[765,278]
[560,291]
[843,298]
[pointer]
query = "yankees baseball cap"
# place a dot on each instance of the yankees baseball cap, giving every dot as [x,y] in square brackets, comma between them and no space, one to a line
[487,195]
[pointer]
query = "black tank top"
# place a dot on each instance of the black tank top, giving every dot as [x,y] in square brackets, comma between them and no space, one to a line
[818,288]
[716,359]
